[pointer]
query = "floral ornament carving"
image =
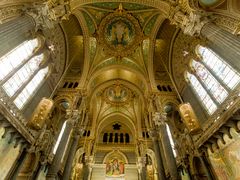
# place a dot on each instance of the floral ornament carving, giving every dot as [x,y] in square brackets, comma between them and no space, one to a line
[119,34]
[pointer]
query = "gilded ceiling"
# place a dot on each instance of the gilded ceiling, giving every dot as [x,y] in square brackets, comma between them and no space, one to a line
[124,47]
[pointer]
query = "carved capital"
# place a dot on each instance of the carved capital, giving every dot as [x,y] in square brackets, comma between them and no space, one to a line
[48,13]
[191,23]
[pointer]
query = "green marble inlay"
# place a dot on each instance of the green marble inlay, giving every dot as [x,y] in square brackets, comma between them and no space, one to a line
[98,15]
[209,2]
[127,6]
[89,22]
[150,25]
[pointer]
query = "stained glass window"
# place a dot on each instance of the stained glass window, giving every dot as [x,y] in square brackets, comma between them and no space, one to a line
[220,68]
[30,88]
[22,75]
[18,55]
[213,86]
[206,100]
[20,68]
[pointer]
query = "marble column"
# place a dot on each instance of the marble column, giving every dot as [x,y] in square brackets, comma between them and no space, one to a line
[168,152]
[71,155]
[160,167]
[225,44]
[159,120]
[56,163]
[14,32]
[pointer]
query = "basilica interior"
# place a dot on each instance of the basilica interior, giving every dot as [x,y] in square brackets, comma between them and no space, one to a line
[119,90]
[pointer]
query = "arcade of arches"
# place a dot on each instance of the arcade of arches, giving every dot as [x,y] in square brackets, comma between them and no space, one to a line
[120,90]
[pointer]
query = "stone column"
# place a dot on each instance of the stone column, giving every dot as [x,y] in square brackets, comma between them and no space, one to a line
[71,154]
[159,120]
[160,168]
[14,32]
[56,163]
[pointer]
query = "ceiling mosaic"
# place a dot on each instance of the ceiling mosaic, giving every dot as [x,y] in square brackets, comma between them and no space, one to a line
[96,12]
[120,33]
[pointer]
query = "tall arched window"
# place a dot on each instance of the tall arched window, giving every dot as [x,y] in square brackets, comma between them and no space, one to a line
[20,72]
[15,57]
[219,67]
[206,100]
[210,83]
[213,78]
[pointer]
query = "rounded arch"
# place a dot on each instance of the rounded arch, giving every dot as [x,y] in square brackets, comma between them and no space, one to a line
[111,118]
[115,153]
[101,86]
[118,73]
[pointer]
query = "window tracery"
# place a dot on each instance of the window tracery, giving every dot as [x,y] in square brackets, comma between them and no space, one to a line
[220,68]
[213,78]
[21,73]
[206,100]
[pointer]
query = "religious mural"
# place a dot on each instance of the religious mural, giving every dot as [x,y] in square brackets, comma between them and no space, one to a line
[115,168]
[120,32]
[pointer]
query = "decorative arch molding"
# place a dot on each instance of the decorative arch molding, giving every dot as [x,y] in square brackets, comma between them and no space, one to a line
[105,122]
[86,40]
[79,152]
[99,88]
[151,153]
[116,73]
[155,30]
[115,153]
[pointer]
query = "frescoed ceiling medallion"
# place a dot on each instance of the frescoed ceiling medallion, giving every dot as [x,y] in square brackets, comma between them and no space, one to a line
[119,33]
